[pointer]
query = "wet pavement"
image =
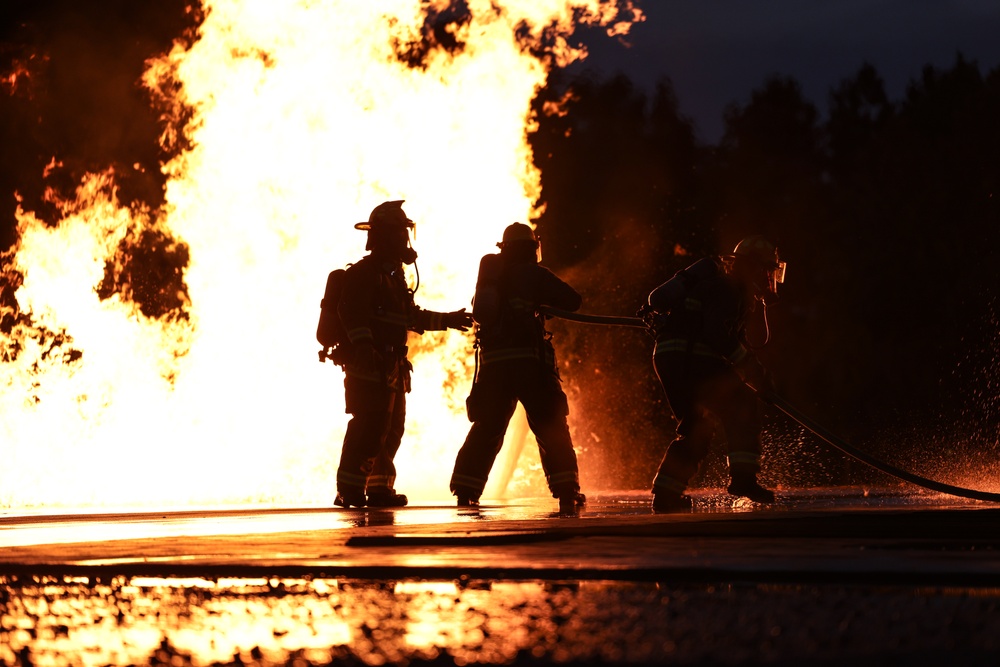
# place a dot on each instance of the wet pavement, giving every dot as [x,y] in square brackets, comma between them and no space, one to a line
[828,576]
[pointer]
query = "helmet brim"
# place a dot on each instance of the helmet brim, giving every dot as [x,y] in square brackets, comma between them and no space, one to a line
[366,226]
[731,257]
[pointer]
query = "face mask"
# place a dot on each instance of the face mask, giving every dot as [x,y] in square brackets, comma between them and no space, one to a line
[777,277]
[393,244]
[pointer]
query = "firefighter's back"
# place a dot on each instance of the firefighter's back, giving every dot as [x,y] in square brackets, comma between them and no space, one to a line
[522,288]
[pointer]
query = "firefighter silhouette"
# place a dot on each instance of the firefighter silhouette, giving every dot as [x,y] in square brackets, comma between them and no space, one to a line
[704,362]
[377,310]
[516,362]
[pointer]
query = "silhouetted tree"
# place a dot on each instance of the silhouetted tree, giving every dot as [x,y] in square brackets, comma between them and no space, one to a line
[769,163]
[859,112]
[914,184]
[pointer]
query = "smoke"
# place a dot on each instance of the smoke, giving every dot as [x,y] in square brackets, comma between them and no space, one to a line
[75,103]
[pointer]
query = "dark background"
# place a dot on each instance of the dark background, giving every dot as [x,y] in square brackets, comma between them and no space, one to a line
[716,51]
[882,197]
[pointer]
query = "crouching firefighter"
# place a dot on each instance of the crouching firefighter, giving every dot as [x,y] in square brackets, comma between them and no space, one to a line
[376,310]
[704,362]
[516,362]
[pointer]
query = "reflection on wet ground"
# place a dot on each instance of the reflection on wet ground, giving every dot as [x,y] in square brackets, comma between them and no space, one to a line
[52,528]
[311,622]
[826,576]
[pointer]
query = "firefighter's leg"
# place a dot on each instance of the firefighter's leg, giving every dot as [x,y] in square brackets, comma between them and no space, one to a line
[546,408]
[382,481]
[368,403]
[739,410]
[680,380]
[493,409]
[685,454]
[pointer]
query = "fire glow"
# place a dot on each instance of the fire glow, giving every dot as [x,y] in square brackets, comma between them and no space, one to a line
[304,118]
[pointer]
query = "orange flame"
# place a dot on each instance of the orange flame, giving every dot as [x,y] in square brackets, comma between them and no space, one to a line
[303,117]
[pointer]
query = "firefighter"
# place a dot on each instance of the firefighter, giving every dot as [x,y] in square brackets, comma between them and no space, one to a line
[377,311]
[704,363]
[516,362]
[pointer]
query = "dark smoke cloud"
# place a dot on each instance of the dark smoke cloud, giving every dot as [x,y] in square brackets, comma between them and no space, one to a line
[72,103]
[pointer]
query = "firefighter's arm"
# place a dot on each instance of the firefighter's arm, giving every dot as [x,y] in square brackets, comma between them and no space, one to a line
[430,320]
[662,299]
[554,292]
[671,293]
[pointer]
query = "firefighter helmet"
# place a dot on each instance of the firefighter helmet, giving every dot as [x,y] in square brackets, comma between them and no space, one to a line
[764,254]
[518,232]
[758,249]
[386,214]
[389,231]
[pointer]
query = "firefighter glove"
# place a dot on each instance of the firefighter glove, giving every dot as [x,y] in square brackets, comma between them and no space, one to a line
[649,317]
[458,319]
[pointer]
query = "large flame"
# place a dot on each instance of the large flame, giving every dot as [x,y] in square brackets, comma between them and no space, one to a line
[305,116]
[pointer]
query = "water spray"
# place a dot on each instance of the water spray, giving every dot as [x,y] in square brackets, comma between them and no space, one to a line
[796,415]
[842,445]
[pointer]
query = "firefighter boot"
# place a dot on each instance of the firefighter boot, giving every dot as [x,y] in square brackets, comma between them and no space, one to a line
[571,503]
[667,503]
[747,486]
[387,498]
[348,498]
[466,496]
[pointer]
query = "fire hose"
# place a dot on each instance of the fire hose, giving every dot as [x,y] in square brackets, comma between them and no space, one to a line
[593,319]
[795,415]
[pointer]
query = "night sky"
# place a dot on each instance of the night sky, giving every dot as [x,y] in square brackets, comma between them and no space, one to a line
[717,51]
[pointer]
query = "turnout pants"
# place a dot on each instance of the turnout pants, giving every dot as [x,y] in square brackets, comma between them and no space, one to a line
[372,438]
[494,397]
[697,386]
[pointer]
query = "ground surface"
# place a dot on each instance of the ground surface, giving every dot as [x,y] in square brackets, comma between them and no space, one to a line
[826,576]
